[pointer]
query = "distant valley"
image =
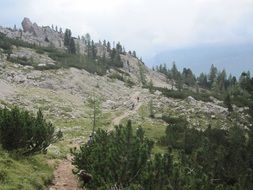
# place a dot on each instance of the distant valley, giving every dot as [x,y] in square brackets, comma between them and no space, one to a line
[235,58]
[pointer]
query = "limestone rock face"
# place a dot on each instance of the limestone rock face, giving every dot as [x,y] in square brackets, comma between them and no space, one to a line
[27,25]
[44,36]
[34,34]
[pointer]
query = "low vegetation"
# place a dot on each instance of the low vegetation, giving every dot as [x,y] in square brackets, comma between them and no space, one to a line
[19,172]
[210,159]
[21,131]
[121,159]
[23,137]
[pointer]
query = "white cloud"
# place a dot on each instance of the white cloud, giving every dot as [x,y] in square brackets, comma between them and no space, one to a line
[147,26]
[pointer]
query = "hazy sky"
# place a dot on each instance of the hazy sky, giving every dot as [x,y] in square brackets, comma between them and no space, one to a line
[148,26]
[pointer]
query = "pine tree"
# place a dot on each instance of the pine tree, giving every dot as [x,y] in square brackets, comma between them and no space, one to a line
[227,103]
[202,80]
[87,38]
[151,87]
[151,109]
[108,46]
[72,46]
[69,42]
[104,43]
[119,48]
[67,37]
[212,75]
[134,54]
[221,80]
[93,50]
[94,112]
[142,75]
[244,80]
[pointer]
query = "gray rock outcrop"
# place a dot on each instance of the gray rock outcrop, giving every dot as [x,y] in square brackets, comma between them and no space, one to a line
[27,25]
[34,34]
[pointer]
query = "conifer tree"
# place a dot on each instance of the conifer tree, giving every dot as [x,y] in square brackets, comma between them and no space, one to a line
[72,46]
[94,112]
[69,42]
[93,50]
[151,86]
[151,109]
[87,39]
[134,54]
[67,37]
[227,103]
[108,46]
[212,75]
[104,43]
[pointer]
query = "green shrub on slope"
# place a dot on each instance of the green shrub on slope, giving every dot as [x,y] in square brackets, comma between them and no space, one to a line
[21,131]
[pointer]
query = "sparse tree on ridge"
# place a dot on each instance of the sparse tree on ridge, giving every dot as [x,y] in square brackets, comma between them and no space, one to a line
[72,46]
[212,75]
[95,112]
[87,38]
[108,46]
[69,42]
[134,54]
[67,37]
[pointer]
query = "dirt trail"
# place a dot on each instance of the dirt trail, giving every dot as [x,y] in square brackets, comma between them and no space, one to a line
[64,179]
[137,105]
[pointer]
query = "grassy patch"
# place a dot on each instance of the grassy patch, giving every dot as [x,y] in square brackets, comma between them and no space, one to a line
[24,172]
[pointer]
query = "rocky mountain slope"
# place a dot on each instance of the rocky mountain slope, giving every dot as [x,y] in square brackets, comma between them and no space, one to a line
[63,92]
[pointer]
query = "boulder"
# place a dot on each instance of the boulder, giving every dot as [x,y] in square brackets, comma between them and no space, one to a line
[42,65]
[191,100]
[109,104]
[157,92]
[19,78]
[84,176]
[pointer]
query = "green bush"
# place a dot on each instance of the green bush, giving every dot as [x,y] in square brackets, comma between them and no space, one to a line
[66,60]
[116,76]
[174,120]
[215,158]
[22,61]
[39,51]
[5,44]
[183,94]
[122,72]
[116,159]
[23,132]
[242,101]
[129,83]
